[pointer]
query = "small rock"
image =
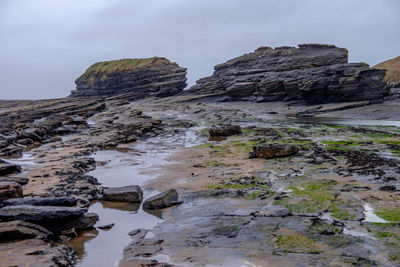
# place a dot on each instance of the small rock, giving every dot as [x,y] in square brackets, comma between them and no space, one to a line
[19,180]
[273,151]
[226,130]
[10,190]
[131,193]
[106,227]
[162,200]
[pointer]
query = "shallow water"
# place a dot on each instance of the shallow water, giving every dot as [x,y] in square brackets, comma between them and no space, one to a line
[135,165]
[344,121]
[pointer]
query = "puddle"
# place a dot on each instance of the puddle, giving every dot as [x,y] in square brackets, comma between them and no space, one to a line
[135,165]
[370,216]
[344,121]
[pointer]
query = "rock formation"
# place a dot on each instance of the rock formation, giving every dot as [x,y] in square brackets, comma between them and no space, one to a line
[143,77]
[392,67]
[312,73]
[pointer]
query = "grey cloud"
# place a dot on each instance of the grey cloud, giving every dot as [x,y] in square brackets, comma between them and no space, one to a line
[46,44]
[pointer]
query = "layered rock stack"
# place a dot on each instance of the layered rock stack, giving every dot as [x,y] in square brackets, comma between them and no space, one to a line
[142,77]
[312,73]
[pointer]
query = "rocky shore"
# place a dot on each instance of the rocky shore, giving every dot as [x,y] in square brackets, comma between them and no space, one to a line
[241,184]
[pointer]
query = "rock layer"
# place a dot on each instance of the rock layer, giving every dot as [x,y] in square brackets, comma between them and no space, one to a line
[143,77]
[312,73]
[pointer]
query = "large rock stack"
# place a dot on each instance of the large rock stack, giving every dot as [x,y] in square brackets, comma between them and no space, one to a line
[143,77]
[312,73]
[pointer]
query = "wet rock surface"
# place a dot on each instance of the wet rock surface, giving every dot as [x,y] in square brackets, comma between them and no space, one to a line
[131,193]
[311,73]
[335,202]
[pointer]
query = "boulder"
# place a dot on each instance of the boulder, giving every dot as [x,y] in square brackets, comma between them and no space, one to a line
[8,168]
[131,193]
[10,190]
[141,77]
[271,151]
[19,230]
[311,73]
[163,200]
[39,201]
[224,130]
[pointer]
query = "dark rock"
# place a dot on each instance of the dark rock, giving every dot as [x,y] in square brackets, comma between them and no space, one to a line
[389,188]
[273,151]
[18,230]
[85,222]
[52,218]
[312,73]
[10,190]
[140,77]
[8,168]
[225,130]
[131,193]
[106,227]
[16,179]
[39,201]
[162,200]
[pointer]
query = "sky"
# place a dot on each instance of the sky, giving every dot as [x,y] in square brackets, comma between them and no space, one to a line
[46,44]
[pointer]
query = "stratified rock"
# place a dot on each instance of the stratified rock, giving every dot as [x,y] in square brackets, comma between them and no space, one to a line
[10,190]
[224,130]
[312,73]
[271,151]
[163,200]
[392,67]
[16,179]
[18,230]
[131,193]
[7,168]
[39,201]
[144,77]
[54,219]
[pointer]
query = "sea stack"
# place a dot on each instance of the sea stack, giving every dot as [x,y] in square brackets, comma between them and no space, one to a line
[311,73]
[142,77]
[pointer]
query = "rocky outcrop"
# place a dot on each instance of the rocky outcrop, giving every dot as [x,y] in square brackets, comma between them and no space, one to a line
[42,201]
[142,77]
[312,73]
[273,151]
[163,200]
[131,193]
[8,168]
[19,230]
[392,67]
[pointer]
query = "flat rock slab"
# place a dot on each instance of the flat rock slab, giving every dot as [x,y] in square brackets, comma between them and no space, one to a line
[162,200]
[19,230]
[273,151]
[39,213]
[131,193]
[10,190]
[19,180]
[39,201]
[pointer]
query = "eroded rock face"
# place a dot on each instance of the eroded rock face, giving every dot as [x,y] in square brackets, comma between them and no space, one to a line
[142,77]
[312,73]
[131,193]
[273,151]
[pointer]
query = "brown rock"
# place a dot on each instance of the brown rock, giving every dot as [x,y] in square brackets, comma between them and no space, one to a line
[225,130]
[10,190]
[273,151]
[131,193]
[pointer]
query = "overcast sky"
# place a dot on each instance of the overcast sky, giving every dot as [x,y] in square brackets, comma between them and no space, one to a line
[47,44]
